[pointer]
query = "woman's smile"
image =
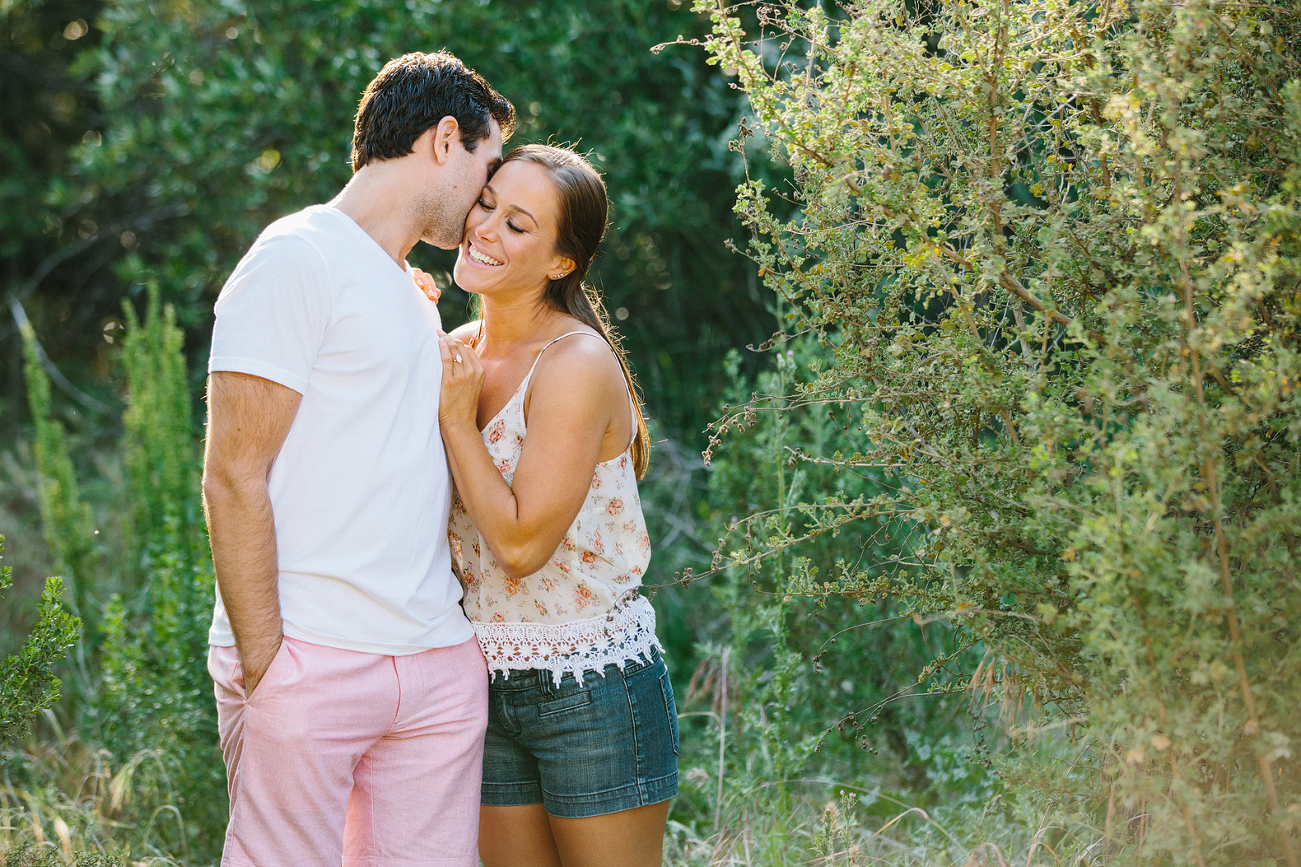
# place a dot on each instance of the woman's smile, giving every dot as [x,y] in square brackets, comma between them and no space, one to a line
[479,256]
[512,230]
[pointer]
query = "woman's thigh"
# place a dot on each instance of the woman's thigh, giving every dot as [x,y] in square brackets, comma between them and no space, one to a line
[527,835]
[514,836]
[628,838]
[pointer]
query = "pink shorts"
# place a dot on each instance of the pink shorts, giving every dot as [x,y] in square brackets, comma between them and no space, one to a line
[353,758]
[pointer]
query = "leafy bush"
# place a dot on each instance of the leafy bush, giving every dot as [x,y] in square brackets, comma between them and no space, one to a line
[1053,251]
[27,681]
[51,856]
[155,696]
[785,677]
[199,123]
[66,517]
[150,703]
[784,550]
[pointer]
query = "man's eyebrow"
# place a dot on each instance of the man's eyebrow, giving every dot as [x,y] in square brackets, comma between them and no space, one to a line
[493,166]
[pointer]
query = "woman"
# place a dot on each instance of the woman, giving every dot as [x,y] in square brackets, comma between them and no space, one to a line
[546,443]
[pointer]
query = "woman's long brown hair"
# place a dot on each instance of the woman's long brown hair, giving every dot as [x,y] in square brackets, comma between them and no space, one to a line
[580,225]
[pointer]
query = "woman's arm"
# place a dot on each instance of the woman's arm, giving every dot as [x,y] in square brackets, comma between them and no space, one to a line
[575,392]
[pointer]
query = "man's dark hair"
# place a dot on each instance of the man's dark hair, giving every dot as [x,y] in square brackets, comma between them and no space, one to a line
[416,91]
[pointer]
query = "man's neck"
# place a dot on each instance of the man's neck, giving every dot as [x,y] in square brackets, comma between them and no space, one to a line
[369,200]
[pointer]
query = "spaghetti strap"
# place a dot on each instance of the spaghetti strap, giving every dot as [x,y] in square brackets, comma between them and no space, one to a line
[548,346]
[523,386]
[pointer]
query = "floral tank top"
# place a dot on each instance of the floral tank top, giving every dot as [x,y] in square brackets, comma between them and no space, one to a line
[582,610]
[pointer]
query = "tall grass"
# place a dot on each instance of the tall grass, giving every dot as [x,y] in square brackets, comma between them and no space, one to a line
[64,799]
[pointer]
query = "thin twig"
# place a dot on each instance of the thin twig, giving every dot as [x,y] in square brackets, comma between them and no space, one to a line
[56,376]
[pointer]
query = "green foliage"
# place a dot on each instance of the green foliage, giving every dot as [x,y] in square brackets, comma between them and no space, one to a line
[1054,251]
[152,704]
[782,555]
[214,119]
[62,794]
[27,682]
[46,112]
[51,856]
[155,697]
[69,529]
[795,697]
[158,442]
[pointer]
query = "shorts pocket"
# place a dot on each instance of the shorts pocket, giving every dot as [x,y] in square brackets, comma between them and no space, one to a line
[223,668]
[670,708]
[565,703]
[277,662]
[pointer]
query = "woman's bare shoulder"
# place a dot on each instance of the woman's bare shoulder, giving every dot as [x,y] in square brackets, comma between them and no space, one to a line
[584,358]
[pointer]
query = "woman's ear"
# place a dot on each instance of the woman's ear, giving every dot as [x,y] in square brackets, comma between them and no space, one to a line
[561,266]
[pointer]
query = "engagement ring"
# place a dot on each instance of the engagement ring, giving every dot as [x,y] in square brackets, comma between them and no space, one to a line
[458,358]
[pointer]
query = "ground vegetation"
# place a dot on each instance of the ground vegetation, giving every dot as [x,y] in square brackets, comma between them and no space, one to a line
[1051,252]
[988,555]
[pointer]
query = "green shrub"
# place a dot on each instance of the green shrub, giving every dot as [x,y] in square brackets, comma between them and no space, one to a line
[158,441]
[784,554]
[150,703]
[53,856]
[155,696]
[1053,251]
[69,529]
[28,684]
[800,694]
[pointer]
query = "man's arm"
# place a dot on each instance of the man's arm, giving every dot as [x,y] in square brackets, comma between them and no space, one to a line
[248,420]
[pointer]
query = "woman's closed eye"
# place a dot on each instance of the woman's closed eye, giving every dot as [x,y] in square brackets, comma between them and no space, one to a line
[511,224]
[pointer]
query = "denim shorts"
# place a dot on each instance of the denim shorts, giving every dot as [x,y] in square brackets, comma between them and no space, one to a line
[584,748]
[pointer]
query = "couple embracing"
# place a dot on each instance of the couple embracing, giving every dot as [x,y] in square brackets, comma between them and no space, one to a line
[428,644]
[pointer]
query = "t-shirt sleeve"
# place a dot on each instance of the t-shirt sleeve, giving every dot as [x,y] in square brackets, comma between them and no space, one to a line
[273,312]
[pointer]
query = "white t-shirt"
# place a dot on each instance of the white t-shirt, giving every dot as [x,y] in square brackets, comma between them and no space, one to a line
[360,491]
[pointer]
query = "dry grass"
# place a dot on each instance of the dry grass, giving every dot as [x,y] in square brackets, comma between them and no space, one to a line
[60,793]
[829,837]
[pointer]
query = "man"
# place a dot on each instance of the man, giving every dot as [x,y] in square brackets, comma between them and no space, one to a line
[348,681]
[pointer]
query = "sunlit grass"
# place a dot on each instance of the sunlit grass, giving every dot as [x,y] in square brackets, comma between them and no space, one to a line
[832,833]
[63,795]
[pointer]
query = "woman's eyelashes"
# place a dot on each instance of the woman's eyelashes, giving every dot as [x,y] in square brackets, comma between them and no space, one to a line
[518,230]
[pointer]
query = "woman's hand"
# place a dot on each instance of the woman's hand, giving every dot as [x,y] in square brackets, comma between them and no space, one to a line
[574,391]
[427,285]
[462,383]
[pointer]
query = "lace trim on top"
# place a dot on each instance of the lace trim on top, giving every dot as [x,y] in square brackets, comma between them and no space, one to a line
[625,635]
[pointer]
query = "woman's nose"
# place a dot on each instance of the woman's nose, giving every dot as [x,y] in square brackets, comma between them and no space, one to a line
[486,229]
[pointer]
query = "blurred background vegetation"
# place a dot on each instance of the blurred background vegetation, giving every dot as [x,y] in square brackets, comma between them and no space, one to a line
[848,643]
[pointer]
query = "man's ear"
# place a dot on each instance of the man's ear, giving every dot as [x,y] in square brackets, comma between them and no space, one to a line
[443,138]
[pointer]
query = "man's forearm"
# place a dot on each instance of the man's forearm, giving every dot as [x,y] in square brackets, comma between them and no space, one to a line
[242,532]
[248,421]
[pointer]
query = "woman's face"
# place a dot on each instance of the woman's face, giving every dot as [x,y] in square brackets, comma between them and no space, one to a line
[510,233]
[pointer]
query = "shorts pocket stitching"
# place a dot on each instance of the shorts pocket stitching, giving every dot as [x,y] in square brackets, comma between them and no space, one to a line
[569,702]
[670,711]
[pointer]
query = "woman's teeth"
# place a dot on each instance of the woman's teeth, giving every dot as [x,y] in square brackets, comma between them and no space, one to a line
[481,258]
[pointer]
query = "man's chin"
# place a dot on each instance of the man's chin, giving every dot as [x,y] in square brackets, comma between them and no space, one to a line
[442,242]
